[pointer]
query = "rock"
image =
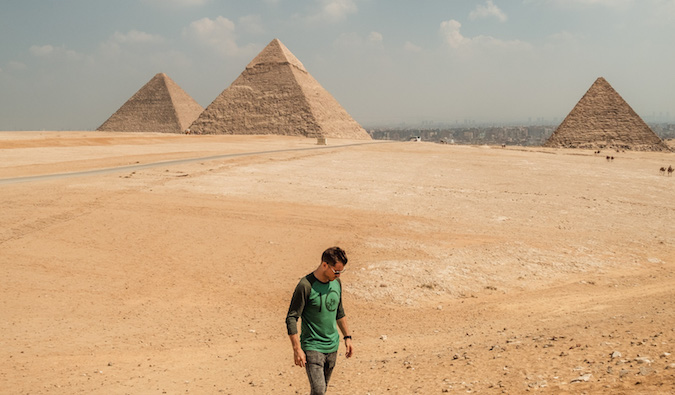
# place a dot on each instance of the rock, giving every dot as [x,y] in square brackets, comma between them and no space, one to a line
[582,379]
[616,354]
[624,372]
[671,366]
[643,360]
[664,355]
[644,371]
[383,337]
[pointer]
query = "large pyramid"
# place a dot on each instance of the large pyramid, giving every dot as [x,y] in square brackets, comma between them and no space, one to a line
[159,106]
[602,119]
[276,95]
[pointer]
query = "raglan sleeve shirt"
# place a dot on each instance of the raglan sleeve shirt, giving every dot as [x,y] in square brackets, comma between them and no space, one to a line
[300,297]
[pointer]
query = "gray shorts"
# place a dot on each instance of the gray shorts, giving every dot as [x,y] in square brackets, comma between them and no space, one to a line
[319,367]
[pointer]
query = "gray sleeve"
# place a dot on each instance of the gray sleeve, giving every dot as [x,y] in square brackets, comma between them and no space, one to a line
[297,306]
[340,309]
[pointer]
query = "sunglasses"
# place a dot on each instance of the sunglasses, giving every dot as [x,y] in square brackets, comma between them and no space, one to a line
[337,271]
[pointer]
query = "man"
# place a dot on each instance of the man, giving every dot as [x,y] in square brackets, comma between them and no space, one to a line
[318,300]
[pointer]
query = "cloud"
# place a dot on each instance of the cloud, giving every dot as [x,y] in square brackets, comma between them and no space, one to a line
[132,39]
[375,38]
[218,35]
[565,37]
[252,24]
[607,3]
[665,9]
[355,41]
[136,37]
[177,3]
[333,11]
[586,3]
[450,31]
[486,11]
[136,50]
[451,34]
[50,51]
[14,65]
[44,50]
[410,47]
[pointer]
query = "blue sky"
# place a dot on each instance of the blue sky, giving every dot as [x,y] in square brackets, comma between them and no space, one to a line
[69,64]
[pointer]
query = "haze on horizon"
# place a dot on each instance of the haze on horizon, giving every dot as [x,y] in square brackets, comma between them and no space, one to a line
[69,65]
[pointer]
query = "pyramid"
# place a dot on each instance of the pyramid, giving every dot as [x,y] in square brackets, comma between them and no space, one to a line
[603,119]
[159,106]
[276,95]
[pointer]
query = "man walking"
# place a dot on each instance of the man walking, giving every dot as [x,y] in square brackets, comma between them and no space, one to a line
[317,299]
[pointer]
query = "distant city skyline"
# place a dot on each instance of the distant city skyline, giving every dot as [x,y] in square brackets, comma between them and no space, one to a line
[69,65]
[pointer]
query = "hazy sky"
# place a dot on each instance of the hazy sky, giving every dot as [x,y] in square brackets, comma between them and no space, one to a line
[69,64]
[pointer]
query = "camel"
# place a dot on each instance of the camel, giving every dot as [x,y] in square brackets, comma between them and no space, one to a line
[670,171]
[662,170]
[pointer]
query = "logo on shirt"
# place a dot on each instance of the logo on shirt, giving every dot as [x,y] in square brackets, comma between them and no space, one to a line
[332,301]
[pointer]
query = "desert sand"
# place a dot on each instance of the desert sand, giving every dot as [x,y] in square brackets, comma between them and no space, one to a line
[472,268]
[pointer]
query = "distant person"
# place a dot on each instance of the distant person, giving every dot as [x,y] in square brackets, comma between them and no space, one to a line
[318,300]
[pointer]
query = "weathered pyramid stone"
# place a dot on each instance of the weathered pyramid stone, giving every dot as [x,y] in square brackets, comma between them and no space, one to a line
[276,95]
[603,119]
[159,106]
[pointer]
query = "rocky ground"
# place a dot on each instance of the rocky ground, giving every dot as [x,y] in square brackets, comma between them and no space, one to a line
[472,268]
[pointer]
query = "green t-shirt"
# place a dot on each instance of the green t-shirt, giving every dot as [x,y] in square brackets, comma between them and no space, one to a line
[320,306]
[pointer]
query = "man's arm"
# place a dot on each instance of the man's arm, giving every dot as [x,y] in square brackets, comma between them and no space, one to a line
[298,355]
[344,328]
[294,313]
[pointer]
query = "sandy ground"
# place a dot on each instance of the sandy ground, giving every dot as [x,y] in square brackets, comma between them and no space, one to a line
[472,269]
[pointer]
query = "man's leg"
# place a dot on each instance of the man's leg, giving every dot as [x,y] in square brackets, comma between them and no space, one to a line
[329,365]
[315,371]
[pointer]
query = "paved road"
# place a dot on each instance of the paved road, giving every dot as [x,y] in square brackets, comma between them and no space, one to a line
[56,176]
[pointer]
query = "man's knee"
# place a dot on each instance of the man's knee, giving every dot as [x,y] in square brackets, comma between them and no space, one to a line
[315,372]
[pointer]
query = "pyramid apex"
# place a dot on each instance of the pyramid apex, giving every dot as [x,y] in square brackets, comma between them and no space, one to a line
[276,53]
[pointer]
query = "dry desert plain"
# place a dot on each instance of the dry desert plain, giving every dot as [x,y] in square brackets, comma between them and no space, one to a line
[472,268]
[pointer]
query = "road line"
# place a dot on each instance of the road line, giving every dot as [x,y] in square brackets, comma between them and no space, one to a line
[56,176]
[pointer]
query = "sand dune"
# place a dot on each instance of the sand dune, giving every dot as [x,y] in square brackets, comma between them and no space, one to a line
[472,269]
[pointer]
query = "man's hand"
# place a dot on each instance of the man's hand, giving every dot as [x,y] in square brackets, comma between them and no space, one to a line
[344,328]
[350,349]
[300,357]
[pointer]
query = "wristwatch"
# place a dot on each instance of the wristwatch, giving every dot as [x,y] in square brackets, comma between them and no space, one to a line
[347,337]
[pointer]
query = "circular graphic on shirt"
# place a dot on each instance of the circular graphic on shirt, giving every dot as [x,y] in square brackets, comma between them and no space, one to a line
[332,300]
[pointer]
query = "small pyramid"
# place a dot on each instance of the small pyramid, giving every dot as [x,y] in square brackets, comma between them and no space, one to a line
[603,119]
[159,106]
[276,95]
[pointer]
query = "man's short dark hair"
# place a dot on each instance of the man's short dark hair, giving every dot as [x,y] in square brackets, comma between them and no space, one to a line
[334,254]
